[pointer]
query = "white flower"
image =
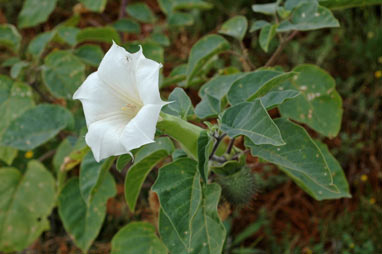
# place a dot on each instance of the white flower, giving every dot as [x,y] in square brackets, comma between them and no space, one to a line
[121,103]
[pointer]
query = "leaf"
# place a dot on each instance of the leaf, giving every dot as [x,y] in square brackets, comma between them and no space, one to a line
[17,68]
[205,143]
[275,98]
[202,51]
[99,34]
[207,233]
[35,12]
[92,175]
[161,39]
[180,19]
[127,25]
[8,154]
[257,25]
[180,105]
[62,73]
[213,95]
[38,44]
[256,84]
[191,4]
[68,34]
[26,202]
[146,159]
[36,126]
[122,161]
[267,9]
[267,33]
[94,5]
[150,50]
[90,54]
[179,191]
[235,27]
[309,16]
[137,237]
[300,159]
[251,120]
[15,99]
[319,105]
[83,222]
[141,12]
[10,37]
[341,4]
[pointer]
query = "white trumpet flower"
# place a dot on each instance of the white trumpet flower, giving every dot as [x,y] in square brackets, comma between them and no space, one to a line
[121,103]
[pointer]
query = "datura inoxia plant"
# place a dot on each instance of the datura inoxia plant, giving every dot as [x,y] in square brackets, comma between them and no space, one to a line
[179,161]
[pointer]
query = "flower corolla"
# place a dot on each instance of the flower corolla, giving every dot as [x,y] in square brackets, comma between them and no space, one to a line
[121,103]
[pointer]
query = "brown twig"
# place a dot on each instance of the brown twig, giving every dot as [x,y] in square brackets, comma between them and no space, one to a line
[47,155]
[122,9]
[216,145]
[280,48]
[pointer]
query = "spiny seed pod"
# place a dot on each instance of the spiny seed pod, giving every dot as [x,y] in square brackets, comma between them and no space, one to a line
[239,187]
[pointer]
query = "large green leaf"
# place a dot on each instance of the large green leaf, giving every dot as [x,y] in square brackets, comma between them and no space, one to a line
[26,202]
[179,191]
[94,5]
[63,73]
[10,37]
[341,4]
[8,154]
[35,12]
[90,54]
[267,9]
[267,33]
[180,105]
[137,237]
[205,142]
[251,119]
[235,27]
[92,175]
[37,45]
[256,84]
[141,12]
[275,98]
[146,159]
[68,34]
[319,105]
[207,233]
[202,51]
[191,4]
[83,222]
[301,159]
[309,16]
[36,126]
[100,34]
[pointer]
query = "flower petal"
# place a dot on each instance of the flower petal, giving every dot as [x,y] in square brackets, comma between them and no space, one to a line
[104,137]
[99,101]
[141,129]
[117,69]
[147,79]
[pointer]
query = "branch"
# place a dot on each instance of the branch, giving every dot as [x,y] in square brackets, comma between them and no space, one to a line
[280,48]
[216,145]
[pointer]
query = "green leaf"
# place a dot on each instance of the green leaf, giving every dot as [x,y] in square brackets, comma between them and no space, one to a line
[341,4]
[251,119]
[180,105]
[10,37]
[235,27]
[300,159]
[202,51]
[92,175]
[141,12]
[275,98]
[83,222]
[319,105]
[309,16]
[257,25]
[68,34]
[161,39]
[146,159]
[205,143]
[26,202]
[191,4]
[256,84]
[137,237]
[180,19]
[122,161]
[38,44]
[206,234]
[63,73]
[267,33]
[213,95]
[151,50]
[36,126]
[35,12]
[268,9]
[127,25]
[94,5]
[15,99]
[17,68]
[99,34]
[90,54]
[179,191]
[8,154]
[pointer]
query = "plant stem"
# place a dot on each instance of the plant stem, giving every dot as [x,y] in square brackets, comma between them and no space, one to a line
[229,149]
[280,48]
[122,9]
[216,145]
